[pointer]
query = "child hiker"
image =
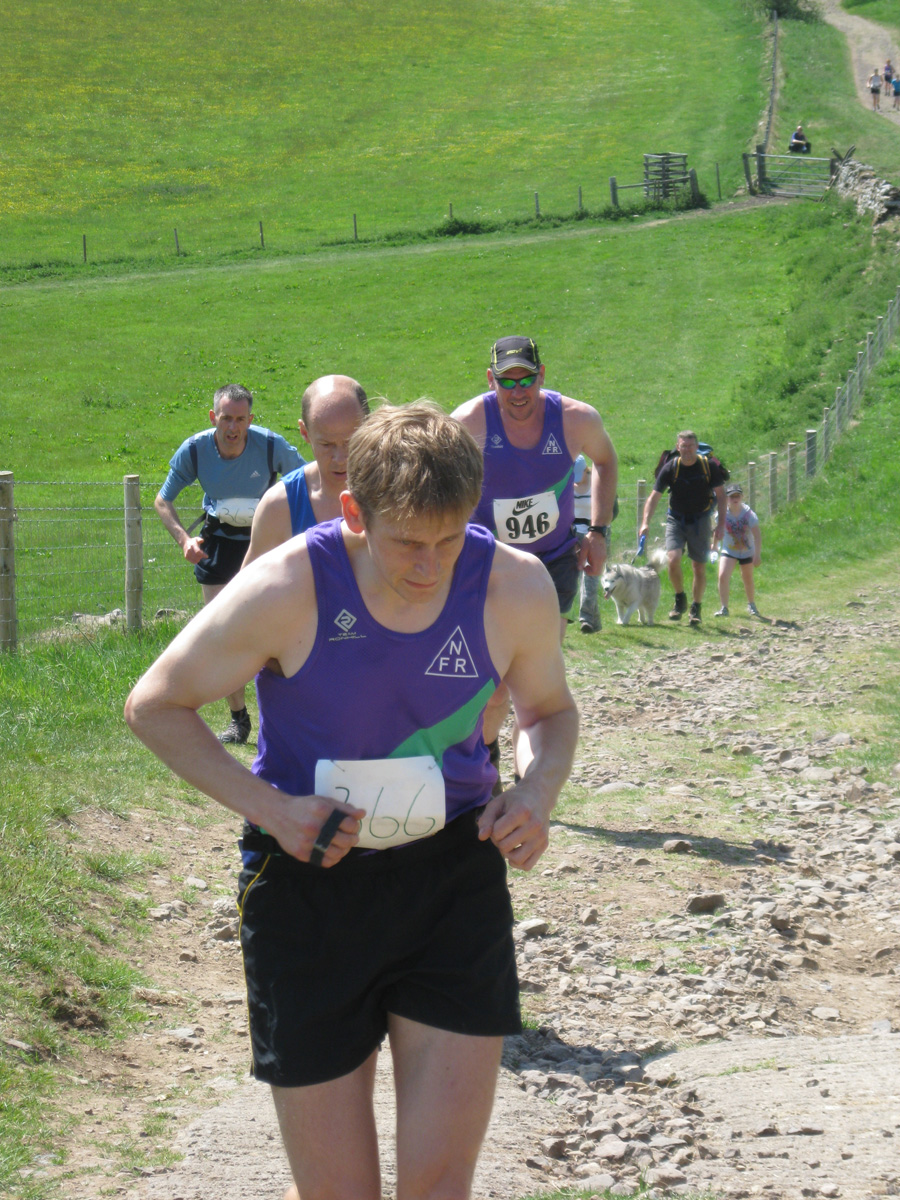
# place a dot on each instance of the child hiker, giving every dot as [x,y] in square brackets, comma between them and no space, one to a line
[741,544]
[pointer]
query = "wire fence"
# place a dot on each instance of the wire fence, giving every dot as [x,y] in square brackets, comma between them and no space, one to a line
[96,553]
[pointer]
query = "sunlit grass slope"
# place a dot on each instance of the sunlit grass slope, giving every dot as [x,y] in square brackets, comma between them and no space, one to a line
[740,322]
[124,120]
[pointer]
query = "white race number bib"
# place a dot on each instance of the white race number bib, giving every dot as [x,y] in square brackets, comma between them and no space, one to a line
[519,522]
[236,510]
[403,797]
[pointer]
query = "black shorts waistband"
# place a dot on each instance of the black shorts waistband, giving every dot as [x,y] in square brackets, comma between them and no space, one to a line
[460,830]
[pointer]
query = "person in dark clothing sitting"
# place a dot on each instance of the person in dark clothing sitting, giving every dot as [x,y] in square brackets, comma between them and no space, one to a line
[799,142]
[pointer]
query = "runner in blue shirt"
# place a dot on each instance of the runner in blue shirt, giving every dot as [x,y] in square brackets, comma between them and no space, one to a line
[234,465]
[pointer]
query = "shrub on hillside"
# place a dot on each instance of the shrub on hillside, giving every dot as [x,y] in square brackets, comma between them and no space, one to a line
[790,10]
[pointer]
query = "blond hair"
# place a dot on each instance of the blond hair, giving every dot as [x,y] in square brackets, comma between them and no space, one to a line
[413,461]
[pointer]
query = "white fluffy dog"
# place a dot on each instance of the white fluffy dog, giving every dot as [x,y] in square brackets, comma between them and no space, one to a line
[634,589]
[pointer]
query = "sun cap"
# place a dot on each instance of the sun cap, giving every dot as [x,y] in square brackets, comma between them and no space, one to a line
[509,352]
[734,489]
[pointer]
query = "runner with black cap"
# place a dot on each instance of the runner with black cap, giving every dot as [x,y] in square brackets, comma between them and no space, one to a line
[531,437]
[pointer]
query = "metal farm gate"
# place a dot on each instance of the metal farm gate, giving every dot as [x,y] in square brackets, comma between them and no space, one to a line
[790,174]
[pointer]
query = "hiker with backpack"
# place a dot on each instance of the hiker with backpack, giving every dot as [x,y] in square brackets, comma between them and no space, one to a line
[234,465]
[695,482]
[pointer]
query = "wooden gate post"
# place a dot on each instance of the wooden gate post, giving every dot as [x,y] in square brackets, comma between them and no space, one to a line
[826,434]
[773,484]
[751,485]
[7,563]
[134,553]
[613,191]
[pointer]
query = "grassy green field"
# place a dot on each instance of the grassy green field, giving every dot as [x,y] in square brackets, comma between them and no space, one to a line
[740,322]
[882,11]
[121,122]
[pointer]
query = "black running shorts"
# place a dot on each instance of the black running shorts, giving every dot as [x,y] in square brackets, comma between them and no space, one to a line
[564,573]
[225,557]
[422,931]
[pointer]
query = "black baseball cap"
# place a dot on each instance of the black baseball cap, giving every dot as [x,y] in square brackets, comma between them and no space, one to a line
[734,489]
[512,352]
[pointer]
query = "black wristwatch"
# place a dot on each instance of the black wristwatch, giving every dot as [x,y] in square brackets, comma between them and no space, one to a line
[604,529]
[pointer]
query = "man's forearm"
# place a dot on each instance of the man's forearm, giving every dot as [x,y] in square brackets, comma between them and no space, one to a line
[545,752]
[171,520]
[604,481]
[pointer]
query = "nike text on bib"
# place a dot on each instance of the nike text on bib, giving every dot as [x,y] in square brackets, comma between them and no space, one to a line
[526,519]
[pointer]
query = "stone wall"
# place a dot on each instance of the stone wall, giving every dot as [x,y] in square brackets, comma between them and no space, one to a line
[859,183]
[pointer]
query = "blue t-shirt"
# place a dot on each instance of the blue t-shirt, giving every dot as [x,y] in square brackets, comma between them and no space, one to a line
[245,477]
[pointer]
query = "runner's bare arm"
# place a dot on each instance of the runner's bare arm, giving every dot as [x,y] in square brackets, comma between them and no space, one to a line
[271,523]
[269,613]
[649,509]
[522,624]
[191,548]
[586,434]
[471,414]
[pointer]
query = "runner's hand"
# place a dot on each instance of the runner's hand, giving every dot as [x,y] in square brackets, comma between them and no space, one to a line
[517,824]
[299,823]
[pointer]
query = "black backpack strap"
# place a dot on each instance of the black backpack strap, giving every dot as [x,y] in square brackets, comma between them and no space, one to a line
[270,456]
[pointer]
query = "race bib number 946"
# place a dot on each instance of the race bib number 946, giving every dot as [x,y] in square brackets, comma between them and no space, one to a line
[519,522]
[403,797]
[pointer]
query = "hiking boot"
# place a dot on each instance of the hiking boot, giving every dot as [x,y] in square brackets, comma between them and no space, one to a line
[695,614]
[679,607]
[752,609]
[238,731]
[721,612]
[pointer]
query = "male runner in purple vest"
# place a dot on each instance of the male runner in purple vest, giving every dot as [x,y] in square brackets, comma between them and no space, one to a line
[531,437]
[332,407]
[373,897]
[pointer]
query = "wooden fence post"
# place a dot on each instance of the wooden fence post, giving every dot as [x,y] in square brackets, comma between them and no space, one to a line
[773,484]
[792,472]
[719,189]
[84,246]
[826,434]
[811,436]
[580,205]
[751,485]
[355,238]
[641,501]
[451,211]
[262,240]
[695,186]
[134,553]
[879,338]
[537,205]
[613,191]
[7,563]
[177,247]
[761,177]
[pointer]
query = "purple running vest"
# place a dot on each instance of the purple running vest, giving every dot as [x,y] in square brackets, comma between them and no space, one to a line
[510,473]
[367,692]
